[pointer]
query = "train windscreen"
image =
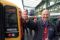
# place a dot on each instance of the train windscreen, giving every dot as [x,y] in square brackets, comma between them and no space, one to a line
[11,22]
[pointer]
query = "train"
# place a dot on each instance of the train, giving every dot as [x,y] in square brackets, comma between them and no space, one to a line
[10,21]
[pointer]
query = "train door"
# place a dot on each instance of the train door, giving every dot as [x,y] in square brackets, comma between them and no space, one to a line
[2,22]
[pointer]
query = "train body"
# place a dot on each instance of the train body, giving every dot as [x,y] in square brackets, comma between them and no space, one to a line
[10,21]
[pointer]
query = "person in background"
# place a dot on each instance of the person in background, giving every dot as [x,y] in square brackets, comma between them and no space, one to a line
[58,28]
[35,22]
[35,19]
[35,27]
[27,24]
[46,30]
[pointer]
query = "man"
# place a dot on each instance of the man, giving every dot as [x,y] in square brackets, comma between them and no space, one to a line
[58,28]
[58,25]
[46,29]
[27,24]
[35,19]
[35,22]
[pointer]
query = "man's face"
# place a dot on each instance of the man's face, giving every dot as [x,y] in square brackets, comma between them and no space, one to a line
[45,15]
[25,15]
[35,20]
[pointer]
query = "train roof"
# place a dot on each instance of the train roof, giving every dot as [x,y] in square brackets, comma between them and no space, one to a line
[7,3]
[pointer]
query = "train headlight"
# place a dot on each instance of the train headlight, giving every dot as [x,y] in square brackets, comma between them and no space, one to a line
[9,34]
[13,34]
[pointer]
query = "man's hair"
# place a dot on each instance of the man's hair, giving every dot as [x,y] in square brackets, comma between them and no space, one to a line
[43,10]
[26,10]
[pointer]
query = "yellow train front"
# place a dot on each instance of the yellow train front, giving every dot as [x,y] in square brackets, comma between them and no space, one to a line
[12,24]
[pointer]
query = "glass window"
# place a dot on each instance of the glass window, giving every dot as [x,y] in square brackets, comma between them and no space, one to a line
[11,22]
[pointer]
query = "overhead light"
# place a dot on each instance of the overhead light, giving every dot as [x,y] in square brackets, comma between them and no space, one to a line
[51,3]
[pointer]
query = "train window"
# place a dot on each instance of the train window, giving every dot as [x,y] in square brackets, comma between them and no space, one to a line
[11,22]
[10,16]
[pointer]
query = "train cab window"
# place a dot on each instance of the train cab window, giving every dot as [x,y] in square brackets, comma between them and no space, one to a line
[11,22]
